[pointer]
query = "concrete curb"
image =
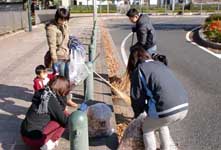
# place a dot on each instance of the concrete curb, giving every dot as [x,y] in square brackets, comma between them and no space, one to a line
[200,46]
[205,41]
[119,58]
[12,33]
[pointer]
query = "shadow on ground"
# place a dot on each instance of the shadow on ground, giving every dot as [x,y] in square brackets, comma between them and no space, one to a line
[10,94]
[111,141]
[10,121]
[16,92]
[160,26]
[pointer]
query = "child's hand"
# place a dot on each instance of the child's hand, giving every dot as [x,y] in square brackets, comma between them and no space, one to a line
[66,109]
[71,103]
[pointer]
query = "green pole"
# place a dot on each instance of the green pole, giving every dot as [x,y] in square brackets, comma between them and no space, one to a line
[95,41]
[90,83]
[91,49]
[78,126]
[29,16]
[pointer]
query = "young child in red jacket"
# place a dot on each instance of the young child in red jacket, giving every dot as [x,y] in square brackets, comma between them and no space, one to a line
[43,77]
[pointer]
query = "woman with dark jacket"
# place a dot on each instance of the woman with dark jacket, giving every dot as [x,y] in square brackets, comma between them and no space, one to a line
[155,91]
[46,120]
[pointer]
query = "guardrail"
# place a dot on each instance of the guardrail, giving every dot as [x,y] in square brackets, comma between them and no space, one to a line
[78,123]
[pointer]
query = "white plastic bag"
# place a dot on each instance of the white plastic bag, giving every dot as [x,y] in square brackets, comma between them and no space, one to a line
[78,71]
[99,120]
[133,135]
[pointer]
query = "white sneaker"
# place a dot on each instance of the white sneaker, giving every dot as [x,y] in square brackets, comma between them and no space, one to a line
[50,145]
[56,143]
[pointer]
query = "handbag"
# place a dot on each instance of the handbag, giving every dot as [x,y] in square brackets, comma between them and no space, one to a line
[151,103]
[48,60]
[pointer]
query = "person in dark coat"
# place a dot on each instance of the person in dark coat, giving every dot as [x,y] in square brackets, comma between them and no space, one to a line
[146,36]
[164,104]
[46,118]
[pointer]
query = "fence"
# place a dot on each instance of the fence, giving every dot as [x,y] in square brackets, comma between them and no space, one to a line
[179,7]
[44,15]
[152,9]
[90,9]
[12,21]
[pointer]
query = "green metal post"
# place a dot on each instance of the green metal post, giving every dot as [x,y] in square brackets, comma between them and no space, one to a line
[91,50]
[78,126]
[90,83]
[29,16]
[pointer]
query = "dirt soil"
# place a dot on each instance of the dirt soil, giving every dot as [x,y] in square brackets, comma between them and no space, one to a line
[122,83]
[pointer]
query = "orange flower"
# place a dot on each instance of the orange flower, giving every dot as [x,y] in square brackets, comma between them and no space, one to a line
[215,25]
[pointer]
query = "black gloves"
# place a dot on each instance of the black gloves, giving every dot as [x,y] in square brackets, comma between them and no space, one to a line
[161,58]
[134,29]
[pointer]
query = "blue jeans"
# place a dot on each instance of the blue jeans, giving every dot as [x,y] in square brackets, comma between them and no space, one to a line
[61,67]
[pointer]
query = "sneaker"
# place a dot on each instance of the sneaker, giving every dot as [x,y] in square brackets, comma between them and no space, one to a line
[50,145]
[56,143]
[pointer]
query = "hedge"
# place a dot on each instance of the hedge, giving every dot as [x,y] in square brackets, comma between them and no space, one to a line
[90,9]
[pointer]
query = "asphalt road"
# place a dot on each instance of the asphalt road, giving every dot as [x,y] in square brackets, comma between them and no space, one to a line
[199,71]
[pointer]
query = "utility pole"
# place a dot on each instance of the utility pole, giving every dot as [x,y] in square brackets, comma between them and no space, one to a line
[29,16]
[165,6]
[201,8]
[95,10]
[183,4]
[173,5]
[107,6]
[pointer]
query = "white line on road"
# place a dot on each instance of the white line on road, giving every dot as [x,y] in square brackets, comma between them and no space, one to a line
[201,47]
[123,51]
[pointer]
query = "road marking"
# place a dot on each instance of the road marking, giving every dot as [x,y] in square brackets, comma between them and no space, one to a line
[123,51]
[201,47]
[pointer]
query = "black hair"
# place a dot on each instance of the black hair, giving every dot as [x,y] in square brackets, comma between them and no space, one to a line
[62,13]
[137,54]
[132,12]
[39,69]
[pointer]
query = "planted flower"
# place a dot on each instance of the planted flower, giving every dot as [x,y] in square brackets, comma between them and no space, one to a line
[212,29]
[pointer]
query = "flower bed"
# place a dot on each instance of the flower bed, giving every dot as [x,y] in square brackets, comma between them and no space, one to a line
[212,28]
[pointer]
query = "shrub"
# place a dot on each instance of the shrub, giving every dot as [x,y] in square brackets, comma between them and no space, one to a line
[90,9]
[213,17]
[212,29]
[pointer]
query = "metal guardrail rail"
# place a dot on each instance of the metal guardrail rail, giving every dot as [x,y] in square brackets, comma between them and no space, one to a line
[78,123]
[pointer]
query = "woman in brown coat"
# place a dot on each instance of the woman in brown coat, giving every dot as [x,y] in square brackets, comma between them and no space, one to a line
[58,37]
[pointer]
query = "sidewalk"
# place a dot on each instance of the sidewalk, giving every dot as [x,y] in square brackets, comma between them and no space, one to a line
[20,54]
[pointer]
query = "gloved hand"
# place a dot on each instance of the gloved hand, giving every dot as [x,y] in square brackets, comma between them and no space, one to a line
[134,29]
[83,107]
[161,58]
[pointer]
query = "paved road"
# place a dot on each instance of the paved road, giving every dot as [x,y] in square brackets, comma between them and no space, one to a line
[200,73]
